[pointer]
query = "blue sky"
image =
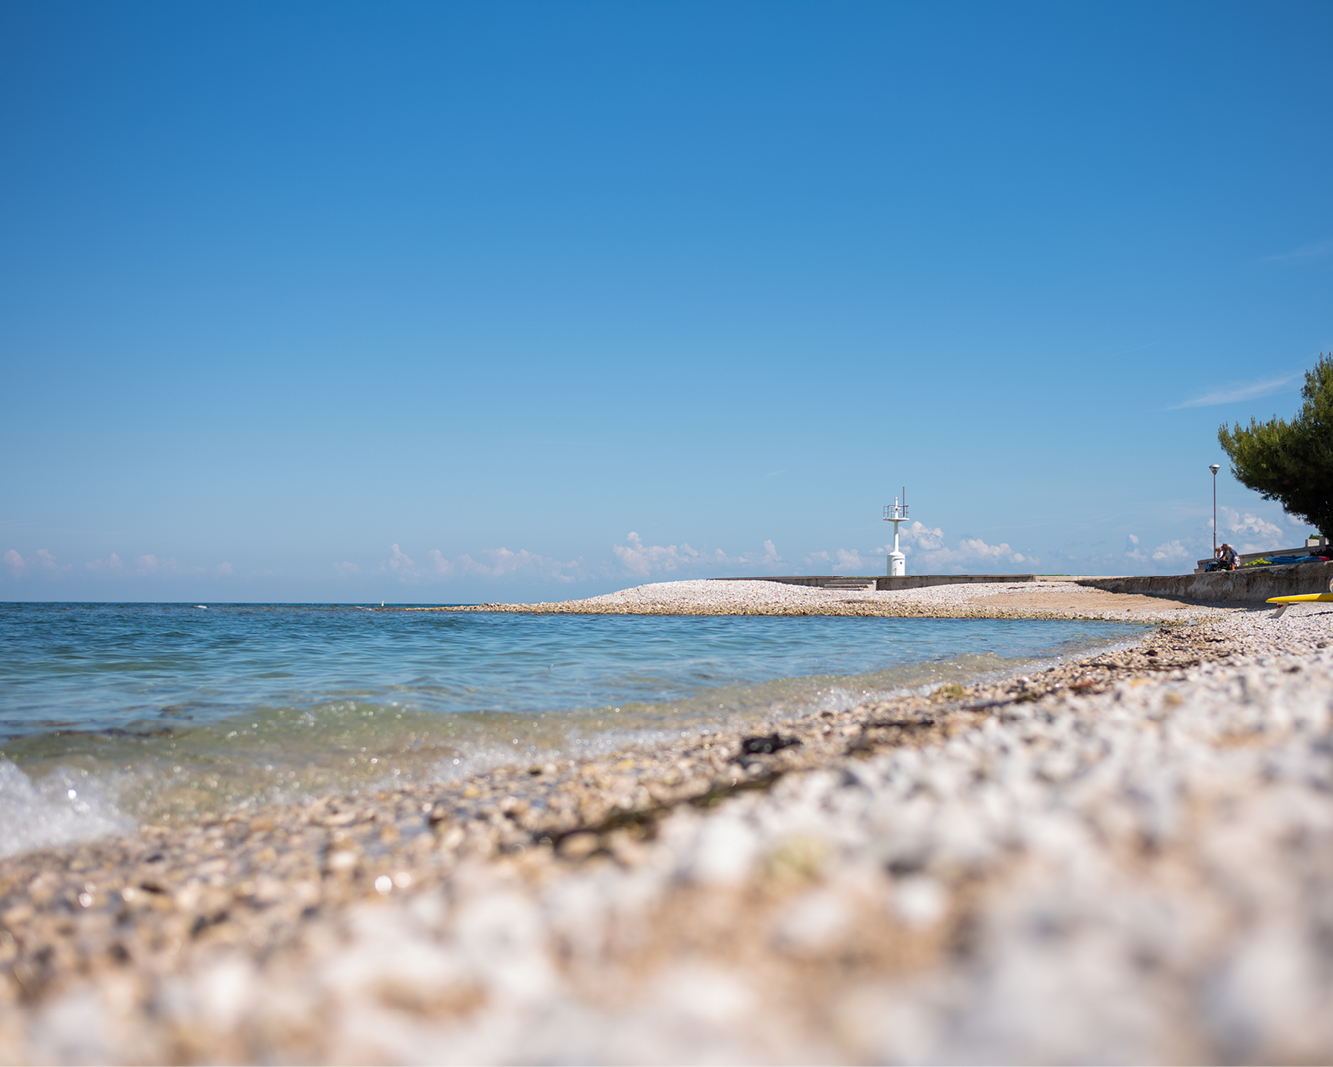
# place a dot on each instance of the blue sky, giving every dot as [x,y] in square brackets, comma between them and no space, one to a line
[424,302]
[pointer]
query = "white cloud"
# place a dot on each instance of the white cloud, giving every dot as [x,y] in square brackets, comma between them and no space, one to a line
[494,563]
[1171,552]
[849,561]
[1311,251]
[401,564]
[1250,532]
[1230,394]
[1132,550]
[922,536]
[503,561]
[43,561]
[111,565]
[346,567]
[640,559]
[971,553]
[150,564]
[927,552]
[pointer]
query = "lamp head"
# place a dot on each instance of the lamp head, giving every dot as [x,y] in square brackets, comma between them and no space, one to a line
[1214,467]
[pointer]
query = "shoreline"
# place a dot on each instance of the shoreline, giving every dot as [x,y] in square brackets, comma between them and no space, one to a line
[1056,599]
[569,911]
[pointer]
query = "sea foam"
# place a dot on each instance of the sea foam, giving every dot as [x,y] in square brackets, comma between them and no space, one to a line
[59,808]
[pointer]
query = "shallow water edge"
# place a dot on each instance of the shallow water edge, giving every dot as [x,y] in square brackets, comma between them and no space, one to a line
[238,729]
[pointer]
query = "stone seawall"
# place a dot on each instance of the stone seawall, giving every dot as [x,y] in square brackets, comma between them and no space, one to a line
[1250,585]
[884,582]
[1247,586]
[925,581]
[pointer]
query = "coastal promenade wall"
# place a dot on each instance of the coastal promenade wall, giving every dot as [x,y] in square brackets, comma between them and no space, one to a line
[1250,585]
[1247,586]
[922,581]
[908,581]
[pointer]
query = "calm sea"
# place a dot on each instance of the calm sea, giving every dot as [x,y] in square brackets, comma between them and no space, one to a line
[111,714]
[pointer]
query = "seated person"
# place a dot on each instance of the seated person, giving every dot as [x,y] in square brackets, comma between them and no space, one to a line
[1226,557]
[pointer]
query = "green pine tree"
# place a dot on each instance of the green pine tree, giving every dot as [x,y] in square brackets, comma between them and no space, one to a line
[1291,462]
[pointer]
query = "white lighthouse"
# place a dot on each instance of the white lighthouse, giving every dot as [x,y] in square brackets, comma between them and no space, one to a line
[896,513]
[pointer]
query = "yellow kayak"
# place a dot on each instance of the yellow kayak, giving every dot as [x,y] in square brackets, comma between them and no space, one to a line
[1303,598]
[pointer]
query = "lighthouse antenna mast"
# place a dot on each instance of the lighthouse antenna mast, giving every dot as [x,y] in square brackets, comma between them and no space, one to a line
[896,513]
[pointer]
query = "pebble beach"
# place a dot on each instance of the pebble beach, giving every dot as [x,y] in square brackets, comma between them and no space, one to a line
[1123,858]
[1055,599]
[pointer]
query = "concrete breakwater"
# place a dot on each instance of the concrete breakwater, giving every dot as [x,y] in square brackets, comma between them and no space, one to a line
[1249,585]
[884,583]
[1252,585]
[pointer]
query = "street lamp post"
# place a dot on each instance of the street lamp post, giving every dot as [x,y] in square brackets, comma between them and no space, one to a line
[1214,468]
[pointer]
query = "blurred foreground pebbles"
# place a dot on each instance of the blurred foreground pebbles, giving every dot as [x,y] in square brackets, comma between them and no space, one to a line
[1127,858]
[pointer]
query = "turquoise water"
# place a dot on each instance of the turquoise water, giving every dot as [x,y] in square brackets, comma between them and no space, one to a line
[166,710]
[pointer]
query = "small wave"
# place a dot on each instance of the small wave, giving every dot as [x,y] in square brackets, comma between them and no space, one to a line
[204,607]
[232,732]
[58,809]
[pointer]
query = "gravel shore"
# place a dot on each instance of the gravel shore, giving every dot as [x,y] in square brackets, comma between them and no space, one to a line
[1128,858]
[1055,599]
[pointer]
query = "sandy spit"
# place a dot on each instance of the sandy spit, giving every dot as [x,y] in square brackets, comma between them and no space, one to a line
[1126,858]
[1056,599]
